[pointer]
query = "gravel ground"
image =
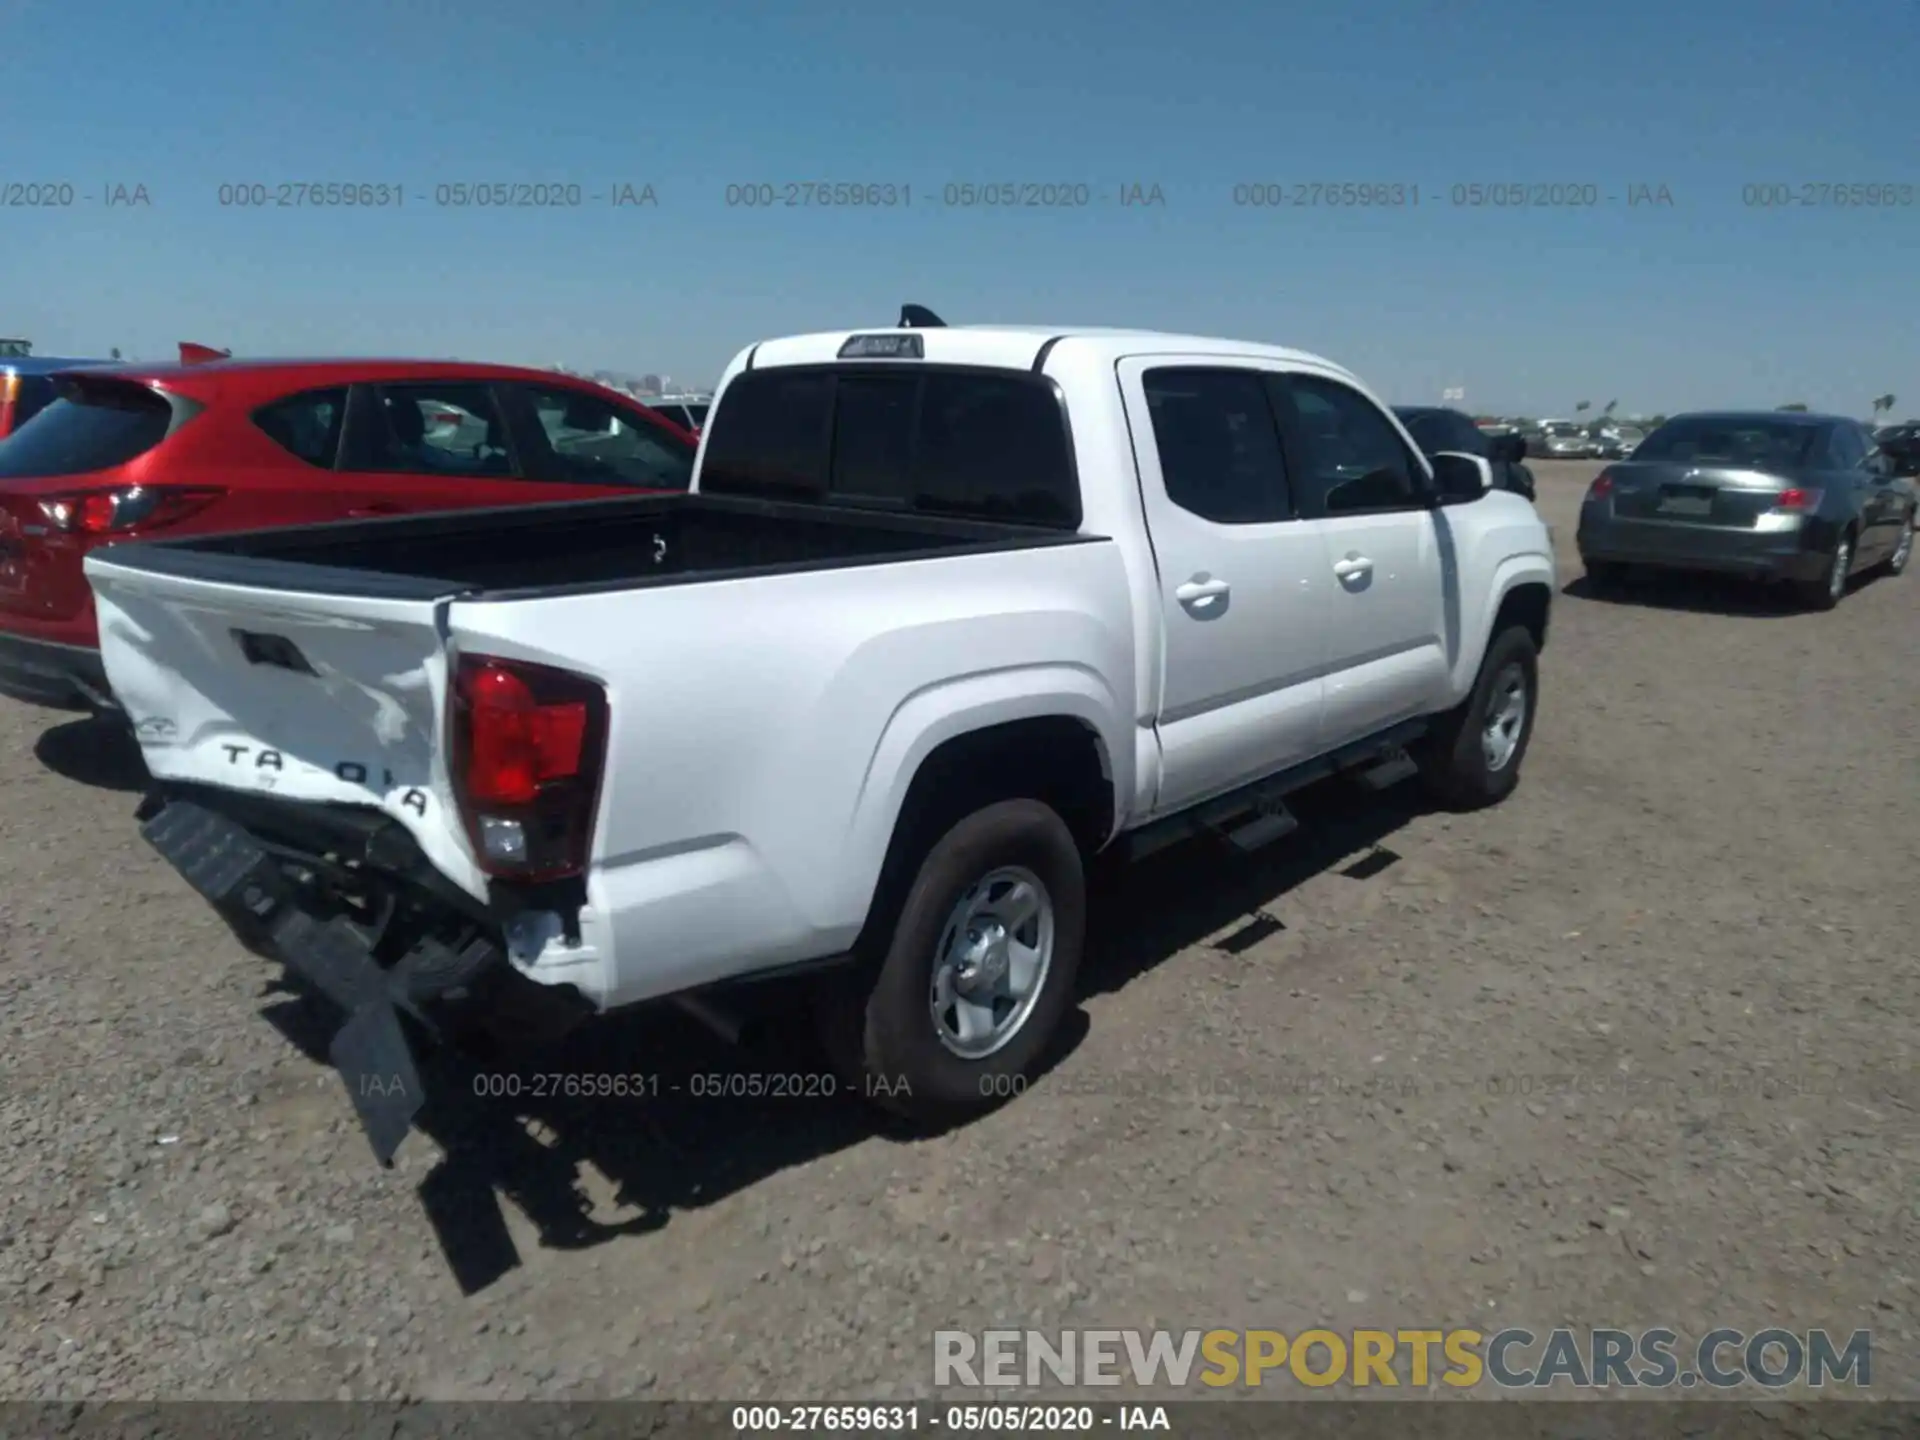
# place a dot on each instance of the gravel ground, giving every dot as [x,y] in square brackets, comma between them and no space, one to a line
[1637,1047]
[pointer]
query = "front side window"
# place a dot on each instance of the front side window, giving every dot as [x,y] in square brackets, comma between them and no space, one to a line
[1352,459]
[595,442]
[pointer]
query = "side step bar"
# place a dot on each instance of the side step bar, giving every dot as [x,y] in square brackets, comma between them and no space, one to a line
[1256,815]
[1395,767]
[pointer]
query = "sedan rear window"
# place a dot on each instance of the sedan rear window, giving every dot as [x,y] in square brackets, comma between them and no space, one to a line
[1756,444]
[91,427]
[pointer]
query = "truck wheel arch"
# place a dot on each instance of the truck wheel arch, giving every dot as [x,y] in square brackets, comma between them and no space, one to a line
[1527,603]
[1059,758]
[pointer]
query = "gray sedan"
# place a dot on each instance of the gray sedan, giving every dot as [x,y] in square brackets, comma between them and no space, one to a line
[1805,499]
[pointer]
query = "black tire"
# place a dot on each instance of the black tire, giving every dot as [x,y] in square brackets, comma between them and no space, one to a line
[876,1021]
[1453,762]
[1823,594]
[1605,574]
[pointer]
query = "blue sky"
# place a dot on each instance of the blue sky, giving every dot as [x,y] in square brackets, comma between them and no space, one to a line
[1708,301]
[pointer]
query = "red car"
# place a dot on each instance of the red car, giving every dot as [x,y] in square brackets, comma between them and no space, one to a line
[156,451]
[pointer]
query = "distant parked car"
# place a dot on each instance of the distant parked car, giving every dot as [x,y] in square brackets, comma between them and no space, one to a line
[1804,499]
[1565,440]
[1618,443]
[135,452]
[689,412]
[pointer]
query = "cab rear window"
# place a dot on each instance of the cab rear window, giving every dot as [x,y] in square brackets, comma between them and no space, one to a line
[979,444]
[89,427]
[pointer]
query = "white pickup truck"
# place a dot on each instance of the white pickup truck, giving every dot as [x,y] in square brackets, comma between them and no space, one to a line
[950,611]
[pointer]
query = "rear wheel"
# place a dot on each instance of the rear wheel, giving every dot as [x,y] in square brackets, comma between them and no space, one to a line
[1826,592]
[950,1018]
[1472,758]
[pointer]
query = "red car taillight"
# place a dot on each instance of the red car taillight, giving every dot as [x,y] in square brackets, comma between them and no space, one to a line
[114,512]
[529,743]
[1798,500]
[1602,486]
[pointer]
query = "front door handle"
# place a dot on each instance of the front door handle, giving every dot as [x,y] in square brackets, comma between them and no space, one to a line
[1353,567]
[1200,591]
[378,507]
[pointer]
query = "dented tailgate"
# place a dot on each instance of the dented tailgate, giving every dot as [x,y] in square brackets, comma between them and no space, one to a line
[327,697]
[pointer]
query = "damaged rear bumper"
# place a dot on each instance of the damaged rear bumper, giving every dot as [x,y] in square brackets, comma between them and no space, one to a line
[240,874]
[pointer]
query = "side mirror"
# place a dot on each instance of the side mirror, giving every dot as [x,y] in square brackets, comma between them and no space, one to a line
[1459,478]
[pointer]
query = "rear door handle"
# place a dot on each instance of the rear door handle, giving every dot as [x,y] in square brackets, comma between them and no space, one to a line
[1352,567]
[1201,589]
[378,507]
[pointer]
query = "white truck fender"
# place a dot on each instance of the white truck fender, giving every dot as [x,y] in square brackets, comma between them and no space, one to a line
[931,717]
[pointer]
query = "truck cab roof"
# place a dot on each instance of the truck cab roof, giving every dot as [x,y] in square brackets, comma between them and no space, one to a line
[1017,347]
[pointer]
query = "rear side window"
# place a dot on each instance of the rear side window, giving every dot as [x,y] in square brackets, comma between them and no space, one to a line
[697,414]
[1847,447]
[594,442]
[1219,452]
[966,443]
[306,426]
[91,427]
[451,428]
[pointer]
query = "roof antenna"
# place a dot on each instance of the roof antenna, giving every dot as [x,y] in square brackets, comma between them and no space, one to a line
[918,317]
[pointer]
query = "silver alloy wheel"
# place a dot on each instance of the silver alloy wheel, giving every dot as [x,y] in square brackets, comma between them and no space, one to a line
[1842,562]
[992,963]
[1506,717]
[1903,549]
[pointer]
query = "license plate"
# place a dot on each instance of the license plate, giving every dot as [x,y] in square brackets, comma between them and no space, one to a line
[1682,504]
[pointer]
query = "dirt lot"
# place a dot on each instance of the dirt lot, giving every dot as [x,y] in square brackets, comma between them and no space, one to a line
[1637,1047]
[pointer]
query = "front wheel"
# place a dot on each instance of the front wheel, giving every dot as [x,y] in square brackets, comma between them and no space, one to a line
[980,967]
[1472,757]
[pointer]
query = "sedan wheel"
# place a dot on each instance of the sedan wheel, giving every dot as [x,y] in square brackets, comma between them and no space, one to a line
[1826,592]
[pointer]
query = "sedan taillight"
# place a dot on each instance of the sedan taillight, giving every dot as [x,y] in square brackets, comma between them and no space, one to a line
[115,512]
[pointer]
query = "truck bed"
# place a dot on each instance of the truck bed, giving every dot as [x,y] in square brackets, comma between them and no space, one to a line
[573,547]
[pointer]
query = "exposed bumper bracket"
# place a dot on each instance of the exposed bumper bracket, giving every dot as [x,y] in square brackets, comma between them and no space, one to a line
[224,864]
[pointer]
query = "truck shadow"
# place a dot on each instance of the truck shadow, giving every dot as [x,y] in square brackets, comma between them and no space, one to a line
[95,750]
[701,1119]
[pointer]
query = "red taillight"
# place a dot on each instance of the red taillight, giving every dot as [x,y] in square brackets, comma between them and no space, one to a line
[518,743]
[1602,486]
[1795,498]
[528,745]
[114,512]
